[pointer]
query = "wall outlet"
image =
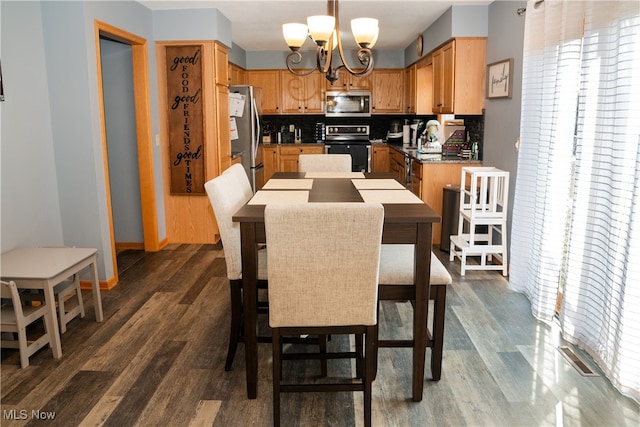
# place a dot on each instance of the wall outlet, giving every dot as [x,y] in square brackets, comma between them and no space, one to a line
[517,145]
[157,140]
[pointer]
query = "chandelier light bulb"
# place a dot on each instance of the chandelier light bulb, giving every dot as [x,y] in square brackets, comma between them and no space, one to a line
[365,31]
[294,34]
[321,27]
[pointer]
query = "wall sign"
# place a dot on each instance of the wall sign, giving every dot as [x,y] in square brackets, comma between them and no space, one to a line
[499,81]
[186,120]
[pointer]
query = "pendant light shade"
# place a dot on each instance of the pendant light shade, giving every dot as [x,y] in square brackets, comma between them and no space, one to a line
[365,31]
[294,34]
[321,27]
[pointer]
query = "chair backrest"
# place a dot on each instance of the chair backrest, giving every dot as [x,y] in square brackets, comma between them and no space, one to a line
[228,193]
[323,263]
[324,163]
[9,290]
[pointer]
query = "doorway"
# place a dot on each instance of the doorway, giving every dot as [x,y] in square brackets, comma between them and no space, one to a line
[142,126]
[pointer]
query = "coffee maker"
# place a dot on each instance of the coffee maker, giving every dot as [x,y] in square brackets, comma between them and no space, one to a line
[394,134]
[417,127]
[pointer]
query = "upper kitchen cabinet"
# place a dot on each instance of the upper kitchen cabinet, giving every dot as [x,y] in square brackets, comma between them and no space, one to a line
[458,77]
[387,91]
[221,58]
[347,82]
[237,75]
[269,81]
[410,89]
[302,95]
[424,85]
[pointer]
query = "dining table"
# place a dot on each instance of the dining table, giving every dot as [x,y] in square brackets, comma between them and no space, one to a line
[407,220]
[45,267]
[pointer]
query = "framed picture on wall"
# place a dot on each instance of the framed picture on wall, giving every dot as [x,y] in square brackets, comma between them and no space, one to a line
[499,81]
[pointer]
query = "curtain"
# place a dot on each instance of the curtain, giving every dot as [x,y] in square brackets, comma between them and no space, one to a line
[576,217]
[601,304]
[550,77]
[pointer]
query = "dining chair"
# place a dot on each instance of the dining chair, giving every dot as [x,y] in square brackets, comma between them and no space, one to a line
[15,318]
[324,163]
[323,279]
[227,194]
[397,283]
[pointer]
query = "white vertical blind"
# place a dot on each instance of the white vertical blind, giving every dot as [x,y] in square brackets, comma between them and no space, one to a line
[581,76]
[601,306]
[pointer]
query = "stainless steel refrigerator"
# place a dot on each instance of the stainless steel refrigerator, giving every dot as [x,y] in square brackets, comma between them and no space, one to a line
[249,131]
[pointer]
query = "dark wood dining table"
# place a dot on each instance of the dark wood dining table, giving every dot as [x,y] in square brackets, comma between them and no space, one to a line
[404,223]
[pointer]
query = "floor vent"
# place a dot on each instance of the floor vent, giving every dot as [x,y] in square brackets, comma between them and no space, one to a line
[577,362]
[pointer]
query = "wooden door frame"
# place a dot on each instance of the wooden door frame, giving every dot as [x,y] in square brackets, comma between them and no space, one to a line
[143,137]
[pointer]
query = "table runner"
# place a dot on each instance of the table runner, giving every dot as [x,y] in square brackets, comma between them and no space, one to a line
[334,175]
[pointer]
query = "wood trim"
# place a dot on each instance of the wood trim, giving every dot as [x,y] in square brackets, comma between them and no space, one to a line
[140,76]
[129,245]
[105,285]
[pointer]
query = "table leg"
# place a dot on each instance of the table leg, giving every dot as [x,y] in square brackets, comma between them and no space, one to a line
[420,312]
[250,304]
[439,308]
[50,301]
[95,286]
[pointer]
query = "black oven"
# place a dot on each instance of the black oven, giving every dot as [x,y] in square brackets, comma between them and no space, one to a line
[353,140]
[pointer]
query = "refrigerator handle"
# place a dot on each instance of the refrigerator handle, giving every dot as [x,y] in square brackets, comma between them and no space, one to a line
[258,130]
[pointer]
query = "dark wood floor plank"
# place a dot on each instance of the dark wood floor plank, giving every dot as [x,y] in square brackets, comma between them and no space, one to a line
[136,399]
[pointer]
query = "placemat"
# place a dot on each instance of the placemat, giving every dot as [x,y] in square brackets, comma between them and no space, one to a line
[389,196]
[334,175]
[279,197]
[288,184]
[377,184]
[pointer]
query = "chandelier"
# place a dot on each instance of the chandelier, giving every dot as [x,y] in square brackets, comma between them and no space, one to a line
[324,30]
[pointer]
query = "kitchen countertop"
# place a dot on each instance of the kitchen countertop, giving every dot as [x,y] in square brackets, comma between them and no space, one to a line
[411,152]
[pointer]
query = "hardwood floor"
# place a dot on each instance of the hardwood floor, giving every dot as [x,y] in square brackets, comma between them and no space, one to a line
[157,360]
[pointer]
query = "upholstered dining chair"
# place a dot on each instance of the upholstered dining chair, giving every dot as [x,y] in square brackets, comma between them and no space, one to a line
[397,284]
[323,279]
[15,318]
[228,193]
[324,163]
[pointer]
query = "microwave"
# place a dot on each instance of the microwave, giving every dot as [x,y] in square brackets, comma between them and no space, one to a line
[348,104]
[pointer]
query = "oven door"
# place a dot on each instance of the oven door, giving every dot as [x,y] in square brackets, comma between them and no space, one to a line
[360,155]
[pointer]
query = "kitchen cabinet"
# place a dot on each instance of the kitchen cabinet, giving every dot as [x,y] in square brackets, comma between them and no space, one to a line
[347,81]
[424,86]
[430,179]
[270,160]
[221,58]
[387,92]
[397,165]
[237,75]
[269,81]
[379,158]
[410,89]
[459,76]
[302,95]
[288,159]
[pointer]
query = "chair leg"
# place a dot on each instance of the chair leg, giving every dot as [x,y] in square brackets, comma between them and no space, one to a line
[236,322]
[277,374]
[23,346]
[369,370]
[322,341]
[359,356]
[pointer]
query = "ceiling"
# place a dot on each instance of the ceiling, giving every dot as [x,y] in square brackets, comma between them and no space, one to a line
[256,25]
